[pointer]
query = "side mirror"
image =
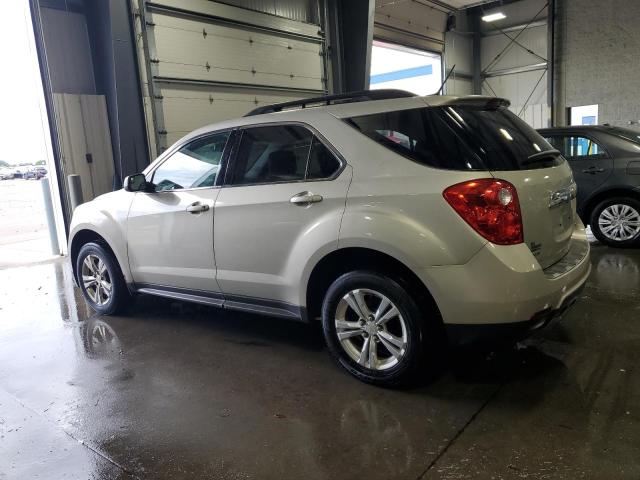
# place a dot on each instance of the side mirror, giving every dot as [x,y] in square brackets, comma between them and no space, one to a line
[137,183]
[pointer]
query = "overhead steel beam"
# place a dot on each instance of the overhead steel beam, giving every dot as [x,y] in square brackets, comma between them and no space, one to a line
[514,70]
[464,76]
[515,28]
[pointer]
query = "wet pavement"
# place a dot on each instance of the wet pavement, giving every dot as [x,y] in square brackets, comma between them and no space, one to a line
[179,391]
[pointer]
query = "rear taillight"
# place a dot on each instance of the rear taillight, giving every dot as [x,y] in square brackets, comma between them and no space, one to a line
[491,207]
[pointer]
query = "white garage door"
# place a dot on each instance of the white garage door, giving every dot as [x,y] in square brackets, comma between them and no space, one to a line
[209,61]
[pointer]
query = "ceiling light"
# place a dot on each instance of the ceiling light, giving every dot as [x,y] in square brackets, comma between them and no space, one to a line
[492,17]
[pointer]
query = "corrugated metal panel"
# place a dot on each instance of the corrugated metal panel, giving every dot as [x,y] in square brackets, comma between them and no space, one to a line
[299,10]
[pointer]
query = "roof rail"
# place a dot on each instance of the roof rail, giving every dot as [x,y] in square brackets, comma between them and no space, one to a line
[361,96]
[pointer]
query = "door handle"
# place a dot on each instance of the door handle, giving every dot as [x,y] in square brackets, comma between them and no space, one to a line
[305,198]
[593,170]
[197,207]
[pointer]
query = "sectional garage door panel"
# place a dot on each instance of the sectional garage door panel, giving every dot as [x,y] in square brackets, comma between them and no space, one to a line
[199,50]
[187,107]
[206,62]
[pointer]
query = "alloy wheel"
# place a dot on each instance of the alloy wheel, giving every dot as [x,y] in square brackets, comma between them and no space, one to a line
[619,222]
[96,279]
[371,329]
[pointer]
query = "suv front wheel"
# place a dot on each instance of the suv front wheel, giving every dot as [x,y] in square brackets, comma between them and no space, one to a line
[373,328]
[616,222]
[101,279]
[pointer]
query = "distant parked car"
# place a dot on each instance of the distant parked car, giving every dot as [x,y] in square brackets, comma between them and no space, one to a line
[606,167]
[6,174]
[34,174]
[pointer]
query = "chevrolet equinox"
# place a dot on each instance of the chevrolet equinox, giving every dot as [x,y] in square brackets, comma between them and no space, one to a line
[398,221]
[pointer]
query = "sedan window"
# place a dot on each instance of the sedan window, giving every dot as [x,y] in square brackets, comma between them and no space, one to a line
[573,146]
[195,165]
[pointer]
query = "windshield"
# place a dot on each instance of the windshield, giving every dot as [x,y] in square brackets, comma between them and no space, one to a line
[460,137]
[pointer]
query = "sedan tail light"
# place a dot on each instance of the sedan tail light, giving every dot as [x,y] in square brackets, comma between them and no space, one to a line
[491,207]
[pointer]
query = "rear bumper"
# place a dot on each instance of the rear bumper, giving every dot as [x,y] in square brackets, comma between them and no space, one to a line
[468,334]
[503,289]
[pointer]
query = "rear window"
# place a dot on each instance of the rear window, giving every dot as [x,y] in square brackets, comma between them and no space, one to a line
[460,138]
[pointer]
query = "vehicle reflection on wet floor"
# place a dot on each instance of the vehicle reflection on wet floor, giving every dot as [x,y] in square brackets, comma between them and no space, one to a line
[173,390]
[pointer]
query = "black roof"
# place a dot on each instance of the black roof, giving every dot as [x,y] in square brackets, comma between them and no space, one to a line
[360,96]
[605,127]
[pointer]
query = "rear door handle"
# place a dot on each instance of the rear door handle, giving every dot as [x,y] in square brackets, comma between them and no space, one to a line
[593,170]
[197,207]
[305,198]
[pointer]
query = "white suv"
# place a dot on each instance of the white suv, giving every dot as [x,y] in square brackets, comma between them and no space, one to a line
[397,220]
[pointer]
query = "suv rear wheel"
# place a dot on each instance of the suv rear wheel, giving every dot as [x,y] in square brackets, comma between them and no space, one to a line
[616,222]
[373,328]
[101,279]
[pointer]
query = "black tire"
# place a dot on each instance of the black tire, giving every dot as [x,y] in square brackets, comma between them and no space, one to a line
[119,295]
[406,371]
[596,228]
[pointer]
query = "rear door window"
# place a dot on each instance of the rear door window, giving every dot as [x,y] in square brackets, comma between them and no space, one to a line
[576,146]
[460,137]
[281,153]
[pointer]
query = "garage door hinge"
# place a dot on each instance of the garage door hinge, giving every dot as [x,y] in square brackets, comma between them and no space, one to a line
[162,132]
[158,97]
[150,23]
[154,60]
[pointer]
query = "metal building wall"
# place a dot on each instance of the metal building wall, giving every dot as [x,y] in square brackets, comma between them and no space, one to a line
[597,53]
[514,60]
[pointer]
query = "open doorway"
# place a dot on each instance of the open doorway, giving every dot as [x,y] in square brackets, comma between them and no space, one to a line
[584,115]
[397,66]
[27,233]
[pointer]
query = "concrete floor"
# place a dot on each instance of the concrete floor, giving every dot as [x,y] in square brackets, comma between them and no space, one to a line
[178,391]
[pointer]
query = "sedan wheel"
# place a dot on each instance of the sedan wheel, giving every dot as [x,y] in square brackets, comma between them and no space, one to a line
[619,222]
[616,222]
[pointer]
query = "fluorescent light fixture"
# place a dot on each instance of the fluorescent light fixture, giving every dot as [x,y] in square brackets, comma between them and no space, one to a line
[492,17]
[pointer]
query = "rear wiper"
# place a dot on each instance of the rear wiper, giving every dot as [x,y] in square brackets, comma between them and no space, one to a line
[541,157]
